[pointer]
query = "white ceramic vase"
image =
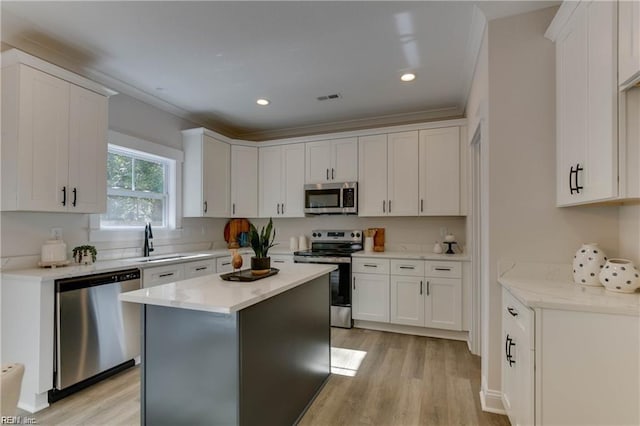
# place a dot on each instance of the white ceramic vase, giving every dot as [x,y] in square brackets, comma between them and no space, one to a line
[587,264]
[620,275]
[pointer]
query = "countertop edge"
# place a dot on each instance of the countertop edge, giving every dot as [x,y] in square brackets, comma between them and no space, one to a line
[149,300]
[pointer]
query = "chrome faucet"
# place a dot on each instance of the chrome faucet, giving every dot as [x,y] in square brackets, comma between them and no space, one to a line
[148,240]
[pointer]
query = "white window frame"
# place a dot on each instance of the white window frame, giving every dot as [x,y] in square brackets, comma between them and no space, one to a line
[173,228]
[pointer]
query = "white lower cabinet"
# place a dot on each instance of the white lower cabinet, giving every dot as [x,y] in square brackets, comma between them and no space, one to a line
[223,264]
[370,297]
[443,303]
[517,360]
[569,367]
[281,259]
[199,268]
[407,300]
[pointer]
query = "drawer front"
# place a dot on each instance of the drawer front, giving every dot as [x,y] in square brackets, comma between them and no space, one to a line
[281,259]
[370,266]
[162,275]
[200,268]
[442,269]
[223,264]
[518,314]
[413,268]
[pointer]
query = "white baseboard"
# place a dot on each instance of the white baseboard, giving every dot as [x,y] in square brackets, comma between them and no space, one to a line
[409,329]
[491,401]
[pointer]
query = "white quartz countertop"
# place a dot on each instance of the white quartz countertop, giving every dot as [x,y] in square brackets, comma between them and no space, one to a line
[540,285]
[411,255]
[212,294]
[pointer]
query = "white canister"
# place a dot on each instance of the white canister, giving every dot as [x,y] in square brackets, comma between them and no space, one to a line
[368,244]
[437,248]
[53,251]
[620,275]
[302,243]
[587,264]
[293,244]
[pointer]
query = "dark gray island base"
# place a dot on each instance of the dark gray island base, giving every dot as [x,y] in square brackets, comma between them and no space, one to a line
[262,365]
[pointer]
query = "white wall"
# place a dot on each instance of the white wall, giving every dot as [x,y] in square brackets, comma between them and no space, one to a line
[523,222]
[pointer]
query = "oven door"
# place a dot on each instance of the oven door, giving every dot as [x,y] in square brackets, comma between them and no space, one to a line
[340,284]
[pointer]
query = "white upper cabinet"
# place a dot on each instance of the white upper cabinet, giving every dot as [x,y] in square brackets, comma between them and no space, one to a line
[372,172]
[440,172]
[207,175]
[388,175]
[54,144]
[628,43]
[244,181]
[281,183]
[586,113]
[332,161]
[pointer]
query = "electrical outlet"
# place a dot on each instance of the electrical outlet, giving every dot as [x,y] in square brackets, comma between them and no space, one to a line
[443,231]
[56,233]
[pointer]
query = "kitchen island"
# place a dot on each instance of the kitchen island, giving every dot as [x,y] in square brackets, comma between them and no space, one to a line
[219,352]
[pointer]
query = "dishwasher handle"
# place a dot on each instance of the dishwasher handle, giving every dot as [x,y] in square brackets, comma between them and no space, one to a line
[86,281]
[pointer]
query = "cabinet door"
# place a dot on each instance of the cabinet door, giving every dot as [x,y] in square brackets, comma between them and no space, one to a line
[628,42]
[217,177]
[318,162]
[440,172]
[43,142]
[270,182]
[372,175]
[244,181]
[292,200]
[370,297]
[344,160]
[87,151]
[571,92]
[407,300]
[278,260]
[403,175]
[443,303]
[162,275]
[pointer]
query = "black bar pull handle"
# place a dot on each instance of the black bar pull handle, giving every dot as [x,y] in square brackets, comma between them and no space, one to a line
[278,208]
[205,207]
[389,206]
[512,311]
[75,197]
[64,195]
[428,285]
[354,283]
[442,269]
[407,267]
[333,175]
[370,266]
[168,274]
[420,287]
[233,206]
[202,268]
[327,174]
[421,205]
[384,206]
[282,209]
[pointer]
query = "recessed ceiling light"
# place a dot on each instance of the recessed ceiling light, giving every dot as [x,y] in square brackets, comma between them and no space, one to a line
[263,102]
[408,77]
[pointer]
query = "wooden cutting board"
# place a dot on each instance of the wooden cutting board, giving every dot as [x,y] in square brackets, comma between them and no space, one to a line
[232,230]
[378,240]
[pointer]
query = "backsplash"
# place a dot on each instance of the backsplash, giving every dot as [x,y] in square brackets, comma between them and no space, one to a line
[23,234]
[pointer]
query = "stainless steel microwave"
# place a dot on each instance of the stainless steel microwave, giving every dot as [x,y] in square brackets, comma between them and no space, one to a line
[331,198]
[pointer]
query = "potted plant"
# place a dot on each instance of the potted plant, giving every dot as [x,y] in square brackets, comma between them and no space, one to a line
[261,243]
[85,254]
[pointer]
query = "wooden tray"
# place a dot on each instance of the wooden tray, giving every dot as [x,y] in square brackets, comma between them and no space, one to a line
[246,275]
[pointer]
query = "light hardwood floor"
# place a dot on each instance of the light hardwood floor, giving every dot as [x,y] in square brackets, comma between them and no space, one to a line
[401,380]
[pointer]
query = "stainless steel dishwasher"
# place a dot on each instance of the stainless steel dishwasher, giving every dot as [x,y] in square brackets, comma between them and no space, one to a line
[96,334]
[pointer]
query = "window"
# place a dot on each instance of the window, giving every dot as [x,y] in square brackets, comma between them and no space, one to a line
[144,182]
[137,189]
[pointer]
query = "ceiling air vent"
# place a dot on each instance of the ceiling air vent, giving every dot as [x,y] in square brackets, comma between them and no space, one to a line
[329,97]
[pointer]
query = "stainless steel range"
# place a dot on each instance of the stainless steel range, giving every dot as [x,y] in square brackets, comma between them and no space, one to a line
[335,247]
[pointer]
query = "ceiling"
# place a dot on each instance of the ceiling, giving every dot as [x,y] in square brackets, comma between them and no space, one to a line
[210,61]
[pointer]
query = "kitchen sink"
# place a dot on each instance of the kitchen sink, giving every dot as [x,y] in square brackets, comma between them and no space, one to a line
[164,258]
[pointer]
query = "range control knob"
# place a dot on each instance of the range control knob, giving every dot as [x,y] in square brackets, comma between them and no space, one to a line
[358,234]
[319,234]
[353,235]
[313,235]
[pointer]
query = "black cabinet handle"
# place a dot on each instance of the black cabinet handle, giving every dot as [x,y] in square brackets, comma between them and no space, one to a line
[332,174]
[573,177]
[370,266]
[75,197]
[282,208]
[205,207]
[508,344]
[442,269]
[168,274]
[512,311]
[420,287]
[421,205]
[278,208]
[327,174]
[233,206]
[278,261]
[389,206]
[506,348]
[384,206]
[202,268]
[354,283]
[407,267]
[428,285]
[64,195]
[226,263]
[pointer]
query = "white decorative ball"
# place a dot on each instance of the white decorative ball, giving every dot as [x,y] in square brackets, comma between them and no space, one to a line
[620,275]
[587,264]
